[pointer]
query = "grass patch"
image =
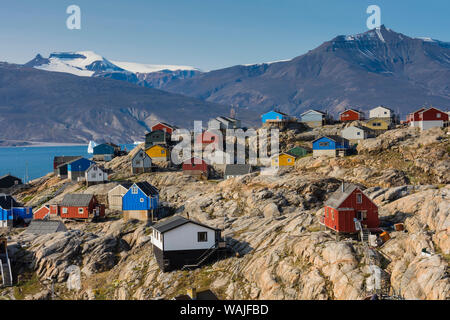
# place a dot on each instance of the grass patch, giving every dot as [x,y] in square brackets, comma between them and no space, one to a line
[29,284]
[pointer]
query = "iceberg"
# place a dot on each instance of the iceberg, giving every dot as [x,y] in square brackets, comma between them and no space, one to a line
[91,146]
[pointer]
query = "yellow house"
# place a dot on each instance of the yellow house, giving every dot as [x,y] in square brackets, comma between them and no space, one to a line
[158,153]
[378,124]
[283,160]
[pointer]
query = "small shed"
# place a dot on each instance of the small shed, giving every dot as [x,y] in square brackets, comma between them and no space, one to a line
[141,162]
[46,227]
[236,170]
[298,152]
[115,195]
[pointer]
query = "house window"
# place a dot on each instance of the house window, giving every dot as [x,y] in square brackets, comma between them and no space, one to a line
[324,144]
[134,190]
[64,210]
[358,133]
[141,200]
[202,236]
[361,215]
[93,175]
[163,151]
[332,216]
[358,198]
[438,115]
[289,160]
[80,210]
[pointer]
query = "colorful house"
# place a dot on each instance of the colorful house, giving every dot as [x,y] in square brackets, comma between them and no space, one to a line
[158,153]
[141,162]
[140,202]
[162,126]
[12,213]
[77,168]
[432,117]
[95,175]
[283,160]
[9,183]
[158,137]
[80,206]
[60,160]
[298,152]
[378,124]
[106,151]
[314,118]
[179,242]
[351,115]
[348,203]
[276,116]
[196,167]
[413,117]
[331,146]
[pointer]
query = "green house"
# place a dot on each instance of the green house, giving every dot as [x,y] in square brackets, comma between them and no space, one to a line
[298,152]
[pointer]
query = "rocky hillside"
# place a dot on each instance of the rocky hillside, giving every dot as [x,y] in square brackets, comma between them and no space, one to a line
[270,222]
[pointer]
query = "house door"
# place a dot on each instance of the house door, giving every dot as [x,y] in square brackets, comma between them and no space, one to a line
[361,215]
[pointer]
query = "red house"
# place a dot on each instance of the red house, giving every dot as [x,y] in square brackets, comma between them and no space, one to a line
[41,212]
[196,167]
[431,118]
[164,127]
[347,203]
[79,206]
[414,117]
[351,115]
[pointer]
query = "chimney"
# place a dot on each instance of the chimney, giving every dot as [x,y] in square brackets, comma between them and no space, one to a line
[192,292]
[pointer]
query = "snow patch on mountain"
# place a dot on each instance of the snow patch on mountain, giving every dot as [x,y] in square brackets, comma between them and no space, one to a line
[149,68]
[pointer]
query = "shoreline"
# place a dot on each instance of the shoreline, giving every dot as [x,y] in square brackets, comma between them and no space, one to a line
[43,144]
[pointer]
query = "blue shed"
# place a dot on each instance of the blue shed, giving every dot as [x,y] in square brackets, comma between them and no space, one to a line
[11,212]
[275,116]
[139,201]
[332,146]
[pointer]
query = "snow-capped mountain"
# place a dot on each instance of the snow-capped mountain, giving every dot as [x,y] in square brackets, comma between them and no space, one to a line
[91,64]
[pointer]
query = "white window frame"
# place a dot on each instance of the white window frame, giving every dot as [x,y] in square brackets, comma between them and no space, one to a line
[359,198]
[64,210]
[134,190]
[80,210]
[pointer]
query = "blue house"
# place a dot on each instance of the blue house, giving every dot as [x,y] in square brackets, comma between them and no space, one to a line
[12,213]
[314,118]
[275,116]
[105,151]
[331,146]
[140,202]
[77,168]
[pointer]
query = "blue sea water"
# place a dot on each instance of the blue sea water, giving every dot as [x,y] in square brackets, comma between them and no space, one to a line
[38,161]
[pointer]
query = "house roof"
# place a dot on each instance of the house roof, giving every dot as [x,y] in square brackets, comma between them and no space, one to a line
[237,169]
[340,195]
[346,110]
[45,227]
[147,188]
[76,200]
[333,137]
[7,200]
[358,127]
[70,161]
[279,112]
[313,110]
[64,159]
[142,153]
[383,108]
[165,124]
[175,222]
[8,181]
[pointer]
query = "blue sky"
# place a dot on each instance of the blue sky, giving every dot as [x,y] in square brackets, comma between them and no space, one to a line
[208,34]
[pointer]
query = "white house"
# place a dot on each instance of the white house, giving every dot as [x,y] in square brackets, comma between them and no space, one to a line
[223,123]
[95,175]
[354,134]
[381,112]
[179,242]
